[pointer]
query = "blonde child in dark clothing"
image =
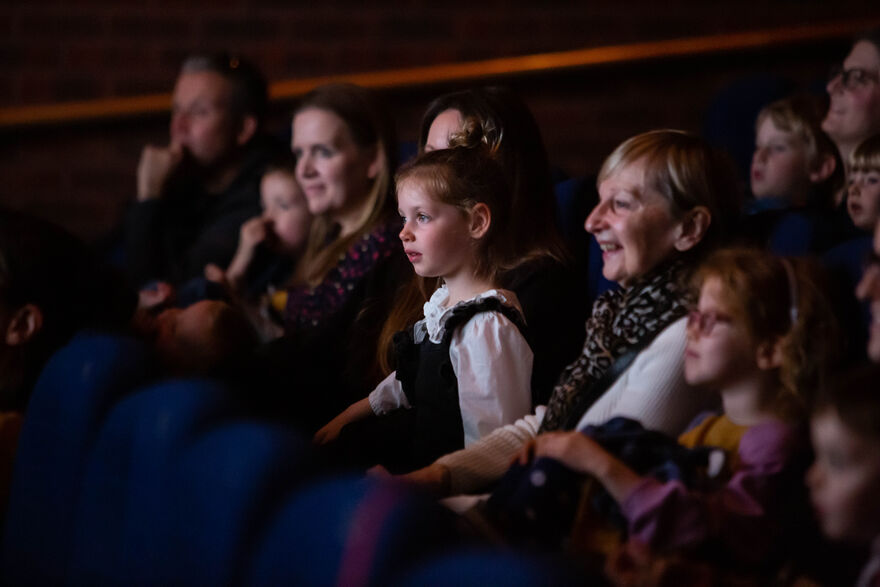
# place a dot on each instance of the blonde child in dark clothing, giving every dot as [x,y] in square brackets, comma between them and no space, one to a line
[792,157]
[794,177]
[269,247]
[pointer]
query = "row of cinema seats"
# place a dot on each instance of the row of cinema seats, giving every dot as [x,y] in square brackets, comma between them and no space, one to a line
[123,480]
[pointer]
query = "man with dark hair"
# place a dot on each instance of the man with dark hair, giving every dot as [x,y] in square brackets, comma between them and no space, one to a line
[194,193]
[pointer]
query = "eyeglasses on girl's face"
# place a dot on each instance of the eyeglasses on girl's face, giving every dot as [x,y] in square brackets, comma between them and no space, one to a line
[704,322]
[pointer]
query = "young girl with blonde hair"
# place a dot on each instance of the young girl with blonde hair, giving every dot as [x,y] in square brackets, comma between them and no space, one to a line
[464,369]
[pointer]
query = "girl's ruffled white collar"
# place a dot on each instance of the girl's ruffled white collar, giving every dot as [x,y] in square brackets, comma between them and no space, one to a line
[437,313]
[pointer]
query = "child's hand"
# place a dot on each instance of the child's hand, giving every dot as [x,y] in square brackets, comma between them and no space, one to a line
[573,449]
[214,273]
[331,430]
[357,411]
[155,296]
[253,232]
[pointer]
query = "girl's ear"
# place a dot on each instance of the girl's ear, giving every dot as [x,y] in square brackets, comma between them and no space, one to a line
[769,354]
[247,129]
[24,325]
[480,219]
[377,162]
[692,228]
[823,169]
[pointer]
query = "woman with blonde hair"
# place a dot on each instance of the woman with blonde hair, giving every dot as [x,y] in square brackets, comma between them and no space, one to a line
[344,146]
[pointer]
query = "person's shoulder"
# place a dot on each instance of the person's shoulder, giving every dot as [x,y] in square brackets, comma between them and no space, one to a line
[673,334]
[773,439]
[381,238]
[494,310]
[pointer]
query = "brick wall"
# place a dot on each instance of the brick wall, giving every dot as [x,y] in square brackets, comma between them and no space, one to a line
[83,175]
[54,50]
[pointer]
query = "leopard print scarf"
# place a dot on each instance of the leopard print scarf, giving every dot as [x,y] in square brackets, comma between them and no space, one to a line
[620,319]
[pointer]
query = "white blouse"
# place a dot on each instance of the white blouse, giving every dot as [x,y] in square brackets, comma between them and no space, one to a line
[490,358]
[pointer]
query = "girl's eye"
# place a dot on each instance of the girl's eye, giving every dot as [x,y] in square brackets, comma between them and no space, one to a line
[779,148]
[873,179]
[422,218]
[323,151]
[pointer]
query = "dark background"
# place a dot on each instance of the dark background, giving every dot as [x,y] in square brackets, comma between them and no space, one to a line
[82,174]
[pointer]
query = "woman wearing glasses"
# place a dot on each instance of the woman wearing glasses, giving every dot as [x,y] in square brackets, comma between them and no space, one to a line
[854,88]
[665,199]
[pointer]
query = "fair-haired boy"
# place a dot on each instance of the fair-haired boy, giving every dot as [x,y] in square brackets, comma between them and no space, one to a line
[793,158]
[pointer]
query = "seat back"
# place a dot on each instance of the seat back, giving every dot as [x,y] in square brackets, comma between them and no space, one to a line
[227,483]
[348,531]
[76,389]
[124,512]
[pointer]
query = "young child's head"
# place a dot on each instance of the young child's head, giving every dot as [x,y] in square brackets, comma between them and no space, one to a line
[285,208]
[452,203]
[793,157]
[863,198]
[844,480]
[203,338]
[758,313]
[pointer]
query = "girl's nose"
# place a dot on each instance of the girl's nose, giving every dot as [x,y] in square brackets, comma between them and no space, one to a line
[692,328]
[405,233]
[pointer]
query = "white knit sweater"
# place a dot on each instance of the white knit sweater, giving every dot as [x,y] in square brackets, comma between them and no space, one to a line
[652,390]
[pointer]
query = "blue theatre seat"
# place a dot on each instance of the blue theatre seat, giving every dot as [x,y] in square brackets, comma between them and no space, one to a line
[479,567]
[76,389]
[227,483]
[349,531]
[124,511]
